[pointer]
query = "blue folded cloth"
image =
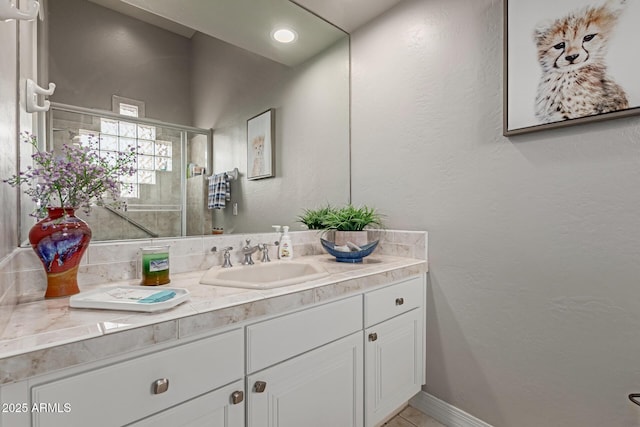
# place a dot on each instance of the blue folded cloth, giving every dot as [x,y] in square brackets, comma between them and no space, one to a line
[158,297]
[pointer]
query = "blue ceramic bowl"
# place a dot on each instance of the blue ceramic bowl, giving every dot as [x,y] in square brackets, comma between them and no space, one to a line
[353,256]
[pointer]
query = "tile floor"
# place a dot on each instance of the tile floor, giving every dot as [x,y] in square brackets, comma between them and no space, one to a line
[411,417]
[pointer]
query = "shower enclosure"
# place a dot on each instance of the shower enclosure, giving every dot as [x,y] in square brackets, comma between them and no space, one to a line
[167,197]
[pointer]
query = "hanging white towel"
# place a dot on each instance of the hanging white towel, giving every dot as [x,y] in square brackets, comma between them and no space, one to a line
[219,191]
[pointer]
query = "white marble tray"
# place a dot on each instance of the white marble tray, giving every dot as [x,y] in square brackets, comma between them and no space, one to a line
[127,298]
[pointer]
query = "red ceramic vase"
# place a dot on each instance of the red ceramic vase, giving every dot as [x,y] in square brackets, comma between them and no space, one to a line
[60,240]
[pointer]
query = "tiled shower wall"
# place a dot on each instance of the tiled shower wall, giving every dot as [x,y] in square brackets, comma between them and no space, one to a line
[117,261]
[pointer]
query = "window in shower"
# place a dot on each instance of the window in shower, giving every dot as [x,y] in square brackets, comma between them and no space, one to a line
[153,155]
[127,106]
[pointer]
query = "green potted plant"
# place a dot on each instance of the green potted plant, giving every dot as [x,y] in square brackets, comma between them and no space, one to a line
[350,223]
[313,219]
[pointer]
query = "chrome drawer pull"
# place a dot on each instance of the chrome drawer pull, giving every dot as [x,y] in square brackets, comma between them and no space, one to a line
[160,386]
[399,301]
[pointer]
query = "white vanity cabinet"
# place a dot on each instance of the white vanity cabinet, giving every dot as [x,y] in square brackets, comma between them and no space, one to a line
[375,339]
[202,375]
[350,362]
[394,347]
[318,389]
[305,368]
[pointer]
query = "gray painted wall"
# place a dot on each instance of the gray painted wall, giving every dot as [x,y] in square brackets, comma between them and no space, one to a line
[96,53]
[231,85]
[534,241]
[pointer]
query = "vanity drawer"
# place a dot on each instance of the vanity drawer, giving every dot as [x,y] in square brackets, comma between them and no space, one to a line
[127,391]
[390,301]
[281,338]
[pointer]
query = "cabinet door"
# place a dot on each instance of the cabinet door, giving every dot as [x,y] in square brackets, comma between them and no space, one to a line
[221,408]
[393,364]
[320,388]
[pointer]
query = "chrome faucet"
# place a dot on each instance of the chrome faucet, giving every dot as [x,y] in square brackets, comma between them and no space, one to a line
[247,251]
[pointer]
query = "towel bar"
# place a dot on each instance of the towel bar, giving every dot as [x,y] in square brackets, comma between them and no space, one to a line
[232,174]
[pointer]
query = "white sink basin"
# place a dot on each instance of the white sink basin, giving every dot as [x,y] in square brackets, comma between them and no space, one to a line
[263,275]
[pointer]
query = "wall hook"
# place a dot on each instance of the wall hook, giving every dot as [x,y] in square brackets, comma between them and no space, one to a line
[31,94]
[8,10]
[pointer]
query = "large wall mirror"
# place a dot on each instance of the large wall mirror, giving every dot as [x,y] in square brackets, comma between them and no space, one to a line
[193,73]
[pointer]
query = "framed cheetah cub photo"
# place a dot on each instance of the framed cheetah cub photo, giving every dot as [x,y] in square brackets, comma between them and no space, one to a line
[261,145]
[569,62]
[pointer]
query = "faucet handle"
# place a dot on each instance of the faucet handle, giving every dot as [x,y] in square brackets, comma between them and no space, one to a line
[264,247]
[227,257]
[226,249]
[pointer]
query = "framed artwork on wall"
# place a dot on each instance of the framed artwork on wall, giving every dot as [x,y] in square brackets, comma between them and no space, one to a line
[261,145]
[569,62]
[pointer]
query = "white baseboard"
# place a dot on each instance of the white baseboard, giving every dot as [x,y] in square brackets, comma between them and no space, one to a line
[443,412]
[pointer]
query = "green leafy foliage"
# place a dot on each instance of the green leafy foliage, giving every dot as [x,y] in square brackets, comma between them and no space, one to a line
[314,218]
[351,218]
[348,218]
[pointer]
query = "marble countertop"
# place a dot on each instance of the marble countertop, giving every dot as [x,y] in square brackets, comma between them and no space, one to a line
[47,335]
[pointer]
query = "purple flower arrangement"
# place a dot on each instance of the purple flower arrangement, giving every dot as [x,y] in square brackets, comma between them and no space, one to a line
[74,177]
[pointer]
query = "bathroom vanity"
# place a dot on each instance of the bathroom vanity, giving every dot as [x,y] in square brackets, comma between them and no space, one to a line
[347,349]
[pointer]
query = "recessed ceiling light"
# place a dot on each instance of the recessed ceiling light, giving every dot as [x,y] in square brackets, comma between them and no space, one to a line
[284,35]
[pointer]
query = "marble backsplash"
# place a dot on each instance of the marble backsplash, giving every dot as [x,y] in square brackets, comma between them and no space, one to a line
[22,277]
